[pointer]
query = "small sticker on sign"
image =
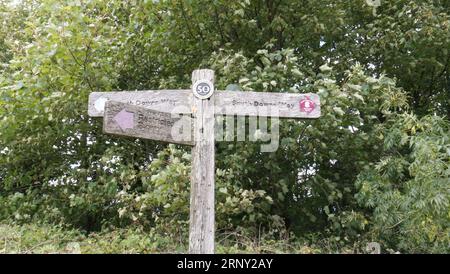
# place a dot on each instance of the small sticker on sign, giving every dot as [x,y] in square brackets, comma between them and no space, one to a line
[307,105]
[203,89]
[100,104]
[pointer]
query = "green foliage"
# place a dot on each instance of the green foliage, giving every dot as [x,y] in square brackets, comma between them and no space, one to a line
[32,238]
[164,199]
[374,167]
[408,189]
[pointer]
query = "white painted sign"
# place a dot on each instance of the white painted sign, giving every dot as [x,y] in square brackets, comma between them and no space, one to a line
[203,89]
[240,103]
[178,101]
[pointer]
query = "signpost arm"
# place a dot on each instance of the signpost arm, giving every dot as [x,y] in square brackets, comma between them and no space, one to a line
[201,225]
[146,115]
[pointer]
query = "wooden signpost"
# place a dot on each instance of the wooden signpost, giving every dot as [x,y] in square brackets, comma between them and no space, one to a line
[187,117]
[129,120]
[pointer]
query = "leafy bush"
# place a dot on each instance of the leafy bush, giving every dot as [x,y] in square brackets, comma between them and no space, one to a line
[408,189]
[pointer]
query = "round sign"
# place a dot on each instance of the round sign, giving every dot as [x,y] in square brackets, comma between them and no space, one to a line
[203,89]
[307,105]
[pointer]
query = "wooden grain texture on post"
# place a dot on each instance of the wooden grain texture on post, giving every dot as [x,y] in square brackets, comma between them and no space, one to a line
[201,225]
[128,120]
[283,105]
[162,100]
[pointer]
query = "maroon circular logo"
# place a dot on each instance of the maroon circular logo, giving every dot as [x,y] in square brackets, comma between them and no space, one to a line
[307,105]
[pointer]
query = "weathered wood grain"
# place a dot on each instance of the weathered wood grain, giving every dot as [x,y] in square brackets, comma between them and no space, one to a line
[240,103]
[178,101]
[249,103]
[129,120]
[201,225]
[152,114]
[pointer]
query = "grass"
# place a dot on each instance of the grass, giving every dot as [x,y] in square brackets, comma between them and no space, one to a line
[48,239]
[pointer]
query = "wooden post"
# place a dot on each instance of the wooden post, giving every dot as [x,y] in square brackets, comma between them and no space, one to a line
[201,225]
[145,114]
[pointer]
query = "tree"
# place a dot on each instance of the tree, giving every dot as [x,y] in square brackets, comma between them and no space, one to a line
[371,65]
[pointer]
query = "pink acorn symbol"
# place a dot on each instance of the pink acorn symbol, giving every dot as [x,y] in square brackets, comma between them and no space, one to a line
[307,105]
